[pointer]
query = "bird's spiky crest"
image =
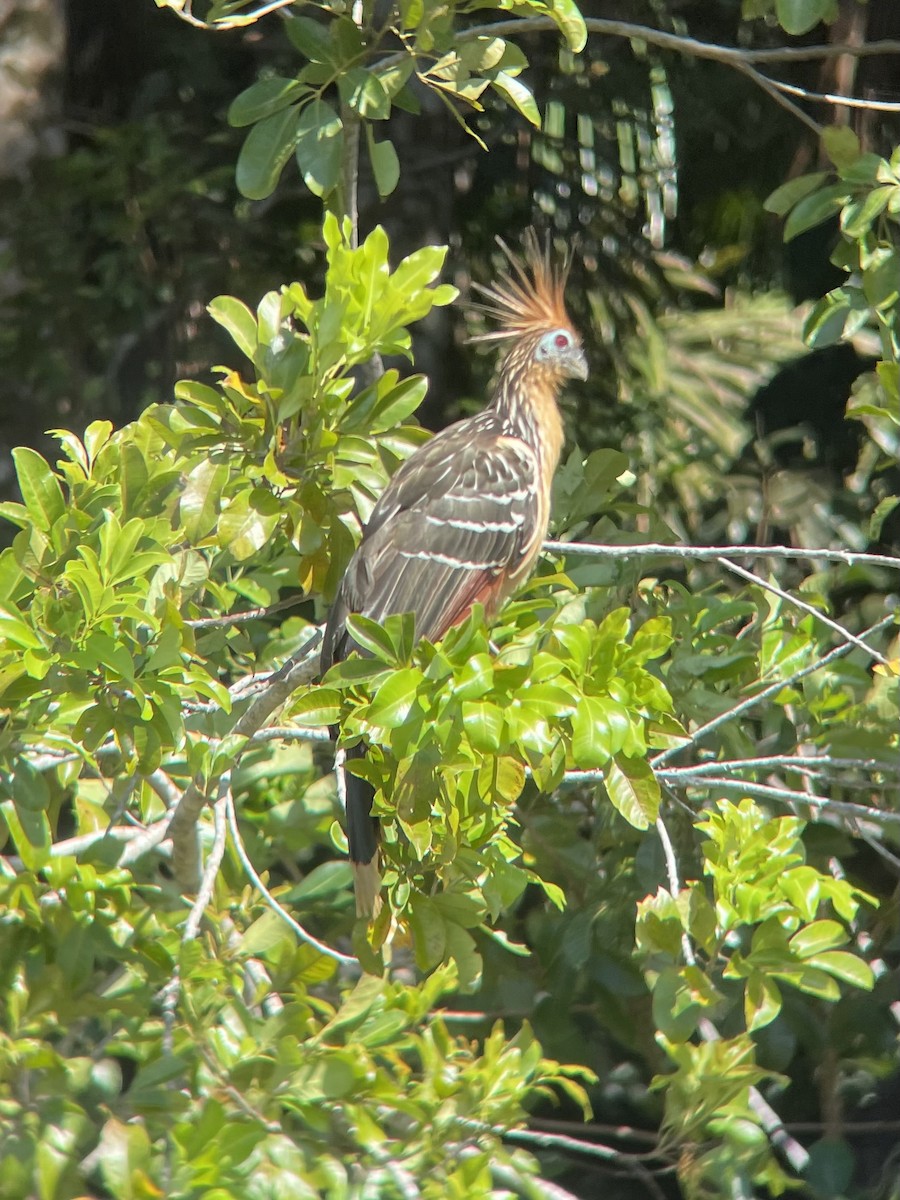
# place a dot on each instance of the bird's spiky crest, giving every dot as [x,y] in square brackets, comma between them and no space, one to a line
[529,297]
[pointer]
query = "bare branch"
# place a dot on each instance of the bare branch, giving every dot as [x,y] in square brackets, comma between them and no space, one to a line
[298,669]
[804,607]
[344,959]
[714,553]
[791,89]
[766,791]
[250,614]
[766,694]
[213,863]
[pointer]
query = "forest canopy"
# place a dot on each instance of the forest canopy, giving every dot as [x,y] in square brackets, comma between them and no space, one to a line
[641,834]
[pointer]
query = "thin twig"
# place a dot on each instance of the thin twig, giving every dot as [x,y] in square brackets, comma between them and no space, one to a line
[766,791]
[714,553]
[791,89]
[213,862]
[766,694]
[804,607]
[768,86]
[291,733]
[343,959]
[298,669]
[250,614]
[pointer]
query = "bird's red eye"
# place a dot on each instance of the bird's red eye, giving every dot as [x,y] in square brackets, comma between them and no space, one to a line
[561,341]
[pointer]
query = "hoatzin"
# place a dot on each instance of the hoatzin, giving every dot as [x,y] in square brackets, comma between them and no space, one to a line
[463,519]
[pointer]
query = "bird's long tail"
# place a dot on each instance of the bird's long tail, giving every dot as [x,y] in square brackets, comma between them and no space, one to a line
[362,837]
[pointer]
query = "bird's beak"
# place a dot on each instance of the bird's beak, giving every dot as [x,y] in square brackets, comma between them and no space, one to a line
[576,364]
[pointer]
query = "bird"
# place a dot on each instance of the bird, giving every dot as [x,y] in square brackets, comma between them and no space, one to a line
[463,519]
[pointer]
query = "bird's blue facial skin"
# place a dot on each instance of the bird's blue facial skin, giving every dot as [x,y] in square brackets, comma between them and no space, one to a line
[553,345]
[559,350]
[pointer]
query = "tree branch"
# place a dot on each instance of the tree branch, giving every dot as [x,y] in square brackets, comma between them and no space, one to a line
[766,694]
[714,553]
[804,607]
[344,959]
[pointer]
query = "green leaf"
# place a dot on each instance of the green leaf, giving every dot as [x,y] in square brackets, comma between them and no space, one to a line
[599,729]
[568,17]
[319,706]
[633,789]
[369,635]
[883,510]
[396,696]
[830,1168]
[799,16]
[319,138]
[311,38]
[858,216]
[783,199]
[40,488]
[322,882]
[819,936]
[198,504]
[814,209]
[364,92]
[266,150]
[263,98]
[762,1001]
[429,932]
[841,145]
[385,163]
[237,320]
[846,967]
[518,96]
[248,522]
[483,724]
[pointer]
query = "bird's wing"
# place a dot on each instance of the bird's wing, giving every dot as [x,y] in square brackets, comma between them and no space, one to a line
[451,529]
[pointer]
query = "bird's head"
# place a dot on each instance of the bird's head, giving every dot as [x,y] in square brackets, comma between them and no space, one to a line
[528,302]
[559,352]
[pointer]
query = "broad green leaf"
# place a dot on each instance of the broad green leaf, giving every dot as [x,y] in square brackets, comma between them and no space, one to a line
[248,522]
[40,488]
[311,38]
[830,1168]
[846,967]
[263,98]
[385,163]
[568,17]
[318,142]
[266,150]
[429,932]
[815,208]
[483,724]
[198,504]
[475,679]
[599,729]
[319,706]
[237,320]
[800,16]
[369,635]
[396,696]
[841,145]
[124,1153]
[634,791]
[29,787]
[762,1001]
[516,94]
[820,935]
[783,199]
[323,881]
[858,216]
[364,92]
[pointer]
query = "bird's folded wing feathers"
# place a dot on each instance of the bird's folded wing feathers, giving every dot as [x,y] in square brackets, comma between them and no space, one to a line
[447,533]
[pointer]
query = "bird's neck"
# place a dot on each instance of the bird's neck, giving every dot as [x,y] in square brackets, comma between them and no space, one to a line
[526,403]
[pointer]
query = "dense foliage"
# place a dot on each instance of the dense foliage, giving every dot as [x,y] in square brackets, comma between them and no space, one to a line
[639,836]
